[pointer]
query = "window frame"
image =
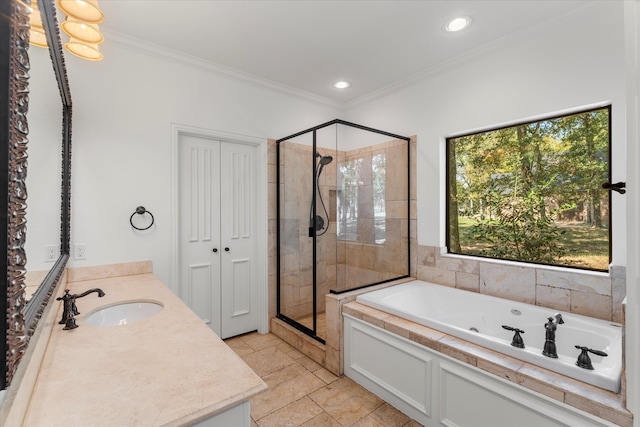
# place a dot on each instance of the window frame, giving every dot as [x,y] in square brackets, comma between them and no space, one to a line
[526,122]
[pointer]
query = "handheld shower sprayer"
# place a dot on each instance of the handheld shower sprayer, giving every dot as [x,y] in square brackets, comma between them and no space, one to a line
[317,221]
[324,160]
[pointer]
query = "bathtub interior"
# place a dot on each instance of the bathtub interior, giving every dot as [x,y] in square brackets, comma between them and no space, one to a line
[479,318]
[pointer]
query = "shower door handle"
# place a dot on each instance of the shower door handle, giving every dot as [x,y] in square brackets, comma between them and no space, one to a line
[215,250]
[226,249]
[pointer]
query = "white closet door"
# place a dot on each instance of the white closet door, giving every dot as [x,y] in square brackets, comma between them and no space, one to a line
[218,193]
[239,186]
[200,250]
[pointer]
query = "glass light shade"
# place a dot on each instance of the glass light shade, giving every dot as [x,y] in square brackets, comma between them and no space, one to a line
[81,31]
[82,10]
[34,16]
[37,36]
[83,49]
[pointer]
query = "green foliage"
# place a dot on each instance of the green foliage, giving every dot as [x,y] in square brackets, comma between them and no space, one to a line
[520,231]
[525,182]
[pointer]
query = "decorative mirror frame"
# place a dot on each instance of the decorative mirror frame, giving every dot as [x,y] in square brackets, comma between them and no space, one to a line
[21,319]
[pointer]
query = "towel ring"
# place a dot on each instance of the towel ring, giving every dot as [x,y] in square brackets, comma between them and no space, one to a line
[140,210]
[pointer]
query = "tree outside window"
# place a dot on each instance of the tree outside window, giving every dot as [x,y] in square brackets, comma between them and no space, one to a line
[533,192]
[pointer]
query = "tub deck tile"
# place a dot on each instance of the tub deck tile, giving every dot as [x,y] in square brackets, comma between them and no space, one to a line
[498,364]
[413,331]
[458,349]
[616,415]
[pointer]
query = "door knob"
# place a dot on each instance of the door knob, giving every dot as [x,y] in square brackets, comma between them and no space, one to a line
[215,249]
[226,249]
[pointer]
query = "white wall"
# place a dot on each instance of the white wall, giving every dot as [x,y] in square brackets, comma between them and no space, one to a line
[632,329]
[564,64]
[123,108]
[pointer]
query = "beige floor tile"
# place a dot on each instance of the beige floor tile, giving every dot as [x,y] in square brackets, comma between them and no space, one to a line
[303,393]
[267,360]
[295,354]
[258,342]
[239,346]
[285,386]
[285,348]
[308,364]
[413,423]
[325,375]
[389,416]
[346,401]
[368,421]
[294,414]
[322,420]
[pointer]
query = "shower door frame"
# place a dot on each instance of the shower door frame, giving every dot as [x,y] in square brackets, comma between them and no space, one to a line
[312,332]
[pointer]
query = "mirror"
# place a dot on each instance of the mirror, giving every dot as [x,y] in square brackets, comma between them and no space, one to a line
[50,197]
[42,244]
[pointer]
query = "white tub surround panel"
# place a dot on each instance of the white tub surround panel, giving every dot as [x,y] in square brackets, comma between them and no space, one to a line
[468,381]
[169,369]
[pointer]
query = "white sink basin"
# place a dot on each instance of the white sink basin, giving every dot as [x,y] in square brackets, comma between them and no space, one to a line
[123,313]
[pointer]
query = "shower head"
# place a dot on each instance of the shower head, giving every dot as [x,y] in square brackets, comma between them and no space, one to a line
[325,160]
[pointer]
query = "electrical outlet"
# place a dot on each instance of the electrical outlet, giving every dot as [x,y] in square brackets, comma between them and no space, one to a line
[52,253]
[80,251]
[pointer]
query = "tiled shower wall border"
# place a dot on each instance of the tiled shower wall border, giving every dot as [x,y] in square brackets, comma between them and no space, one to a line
[592,294]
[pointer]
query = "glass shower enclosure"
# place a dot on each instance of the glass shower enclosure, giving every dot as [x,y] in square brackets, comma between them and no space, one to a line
[342,217]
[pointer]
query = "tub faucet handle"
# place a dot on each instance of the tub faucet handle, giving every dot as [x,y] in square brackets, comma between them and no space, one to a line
[584,361]
[517,340]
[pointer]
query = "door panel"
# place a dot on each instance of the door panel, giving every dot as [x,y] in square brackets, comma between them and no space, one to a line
[239,191]
[199,296]
[199,227]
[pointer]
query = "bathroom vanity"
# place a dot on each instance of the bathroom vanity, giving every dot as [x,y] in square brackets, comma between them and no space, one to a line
[167,369]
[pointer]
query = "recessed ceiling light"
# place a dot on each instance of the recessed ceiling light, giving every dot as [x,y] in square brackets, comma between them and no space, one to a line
[341,84]
[458,24]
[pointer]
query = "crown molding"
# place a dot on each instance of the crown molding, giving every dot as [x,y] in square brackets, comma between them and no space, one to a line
[473,54]
[143,47]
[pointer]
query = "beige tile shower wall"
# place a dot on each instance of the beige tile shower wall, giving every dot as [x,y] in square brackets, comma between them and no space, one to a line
[586,293]
[272,178]
[366,263]
[296,262]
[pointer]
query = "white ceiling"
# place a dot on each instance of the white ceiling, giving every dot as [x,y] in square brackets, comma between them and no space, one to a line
[306,45]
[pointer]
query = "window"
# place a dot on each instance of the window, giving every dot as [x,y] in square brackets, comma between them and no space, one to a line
[362,201]
[533,192]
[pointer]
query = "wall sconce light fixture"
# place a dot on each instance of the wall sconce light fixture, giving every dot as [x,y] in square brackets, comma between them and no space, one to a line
[37,36]
[81,25]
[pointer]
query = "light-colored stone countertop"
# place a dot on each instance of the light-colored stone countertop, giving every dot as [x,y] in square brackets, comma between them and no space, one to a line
[169,369]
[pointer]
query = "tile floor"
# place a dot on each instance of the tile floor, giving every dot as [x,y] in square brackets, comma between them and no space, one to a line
[303,393]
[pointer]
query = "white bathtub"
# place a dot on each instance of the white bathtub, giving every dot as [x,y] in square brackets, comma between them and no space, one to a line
[461,313]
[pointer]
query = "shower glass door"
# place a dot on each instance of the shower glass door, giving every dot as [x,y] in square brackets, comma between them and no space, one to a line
[343,217]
